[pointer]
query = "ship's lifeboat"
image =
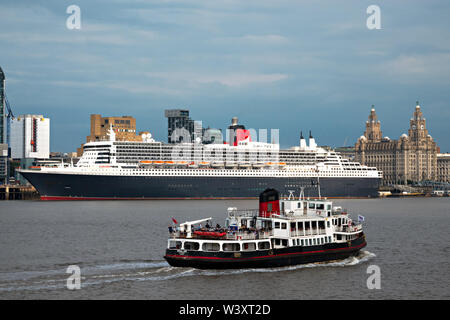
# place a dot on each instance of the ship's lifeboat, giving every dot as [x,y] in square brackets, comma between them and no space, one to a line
[230,164]
[204,163]
[193,165]
[210,234]
[169,163]
[35,167]
[244,165]
[282,164]
[217,164]
[145,162]
[258,165]
[270,164]
[158,162]
[182,163]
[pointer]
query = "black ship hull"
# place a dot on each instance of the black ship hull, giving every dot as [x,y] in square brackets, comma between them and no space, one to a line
[265,258]
[57,186]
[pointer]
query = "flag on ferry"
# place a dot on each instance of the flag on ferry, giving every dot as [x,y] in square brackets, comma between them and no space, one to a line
[360,218]
[174,221]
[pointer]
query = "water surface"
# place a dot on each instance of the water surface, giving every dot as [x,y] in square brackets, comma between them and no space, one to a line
[119,246]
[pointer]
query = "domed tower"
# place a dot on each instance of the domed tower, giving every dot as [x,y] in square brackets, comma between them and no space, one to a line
[417,125]
[373,127]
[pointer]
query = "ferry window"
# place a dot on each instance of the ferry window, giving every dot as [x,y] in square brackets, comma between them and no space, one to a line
[284,242]
[231,247]
[300,226]
[283,225]
[328,224]
[314,224]
[175,245]
[312,205]
[277,225]
[263,245]
[321,224]
[191,246]
[328,206]
[320,206]
[307,225]
[248,246]
[310,242]
[299,205]
[277,242]
[210,246]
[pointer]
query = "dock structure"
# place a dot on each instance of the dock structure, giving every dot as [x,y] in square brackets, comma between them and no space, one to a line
[18,192]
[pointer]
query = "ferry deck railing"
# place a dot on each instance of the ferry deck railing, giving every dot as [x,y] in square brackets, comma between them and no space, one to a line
[307,232]
[346,228]
[230,235]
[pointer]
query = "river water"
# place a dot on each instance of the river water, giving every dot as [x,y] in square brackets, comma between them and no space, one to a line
[119,247]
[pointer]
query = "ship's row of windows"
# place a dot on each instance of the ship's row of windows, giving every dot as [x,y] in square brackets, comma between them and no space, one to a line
[211,173]
[245,246]
[310,241]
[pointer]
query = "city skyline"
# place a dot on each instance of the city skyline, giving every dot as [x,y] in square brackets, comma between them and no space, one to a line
[275,65]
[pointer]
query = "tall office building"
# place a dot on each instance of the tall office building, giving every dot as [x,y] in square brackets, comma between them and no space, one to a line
[3,110]
[3,163]
[181,128]
[30,137]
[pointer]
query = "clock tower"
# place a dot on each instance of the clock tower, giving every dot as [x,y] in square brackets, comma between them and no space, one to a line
[417,125]
[373,127]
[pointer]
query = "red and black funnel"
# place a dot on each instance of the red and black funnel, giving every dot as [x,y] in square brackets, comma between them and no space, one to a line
[269,203]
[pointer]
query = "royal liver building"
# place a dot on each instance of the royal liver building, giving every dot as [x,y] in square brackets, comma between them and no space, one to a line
[412,158]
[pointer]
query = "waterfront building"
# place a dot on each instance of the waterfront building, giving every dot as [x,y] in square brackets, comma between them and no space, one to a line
[3,163]
[443,166]
[181,128]
[124,127]
[412,158]
[3,111]
[30,137]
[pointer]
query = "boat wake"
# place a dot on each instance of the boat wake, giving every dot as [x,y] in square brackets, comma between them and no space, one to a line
[91,275]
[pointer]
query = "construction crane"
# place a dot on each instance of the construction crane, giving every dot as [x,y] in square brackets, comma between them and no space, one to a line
[8,116]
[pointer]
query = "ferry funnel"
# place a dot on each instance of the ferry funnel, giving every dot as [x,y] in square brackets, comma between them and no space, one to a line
[269,203]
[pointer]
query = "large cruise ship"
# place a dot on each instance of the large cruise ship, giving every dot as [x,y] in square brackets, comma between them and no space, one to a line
[240,169]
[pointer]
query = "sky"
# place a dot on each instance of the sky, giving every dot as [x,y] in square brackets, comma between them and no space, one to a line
[290,65]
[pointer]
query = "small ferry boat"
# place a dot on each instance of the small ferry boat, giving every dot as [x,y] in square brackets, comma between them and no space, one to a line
[282,232]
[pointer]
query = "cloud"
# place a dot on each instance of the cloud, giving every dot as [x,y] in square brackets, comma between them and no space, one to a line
[433,66]
[266,39]
[226,79]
